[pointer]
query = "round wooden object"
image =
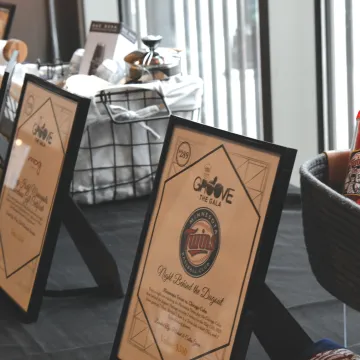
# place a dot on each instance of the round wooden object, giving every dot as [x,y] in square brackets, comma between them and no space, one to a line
[14,44]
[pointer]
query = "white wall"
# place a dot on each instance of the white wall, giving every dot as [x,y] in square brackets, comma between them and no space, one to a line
[293,77]
[100,10]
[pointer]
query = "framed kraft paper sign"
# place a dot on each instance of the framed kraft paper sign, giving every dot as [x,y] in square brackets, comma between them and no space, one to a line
[205,245]
[7,12]
[37,174]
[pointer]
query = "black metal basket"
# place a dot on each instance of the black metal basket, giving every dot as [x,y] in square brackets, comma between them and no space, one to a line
[332,233]
[48,71]
[129,154]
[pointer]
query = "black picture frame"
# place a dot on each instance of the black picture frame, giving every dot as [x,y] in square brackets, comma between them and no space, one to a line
[65,178]
[11,8]
[268,234]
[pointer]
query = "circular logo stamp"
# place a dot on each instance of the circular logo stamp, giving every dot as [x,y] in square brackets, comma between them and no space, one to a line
[183,154]
[29,106]
[199,242]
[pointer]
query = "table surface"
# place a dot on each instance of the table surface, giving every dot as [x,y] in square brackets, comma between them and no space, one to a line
[84,327]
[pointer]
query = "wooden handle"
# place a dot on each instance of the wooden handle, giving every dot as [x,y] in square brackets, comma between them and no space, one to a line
[15,44]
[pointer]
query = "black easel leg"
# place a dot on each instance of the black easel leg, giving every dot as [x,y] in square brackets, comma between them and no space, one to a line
[278,332]
[98,259]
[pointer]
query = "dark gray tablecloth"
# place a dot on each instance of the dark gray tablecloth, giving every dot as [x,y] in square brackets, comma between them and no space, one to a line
[84,327]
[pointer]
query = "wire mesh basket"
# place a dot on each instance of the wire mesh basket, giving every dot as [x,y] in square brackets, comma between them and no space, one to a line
[11,106]
[48,71]
[119,153]
[52,71]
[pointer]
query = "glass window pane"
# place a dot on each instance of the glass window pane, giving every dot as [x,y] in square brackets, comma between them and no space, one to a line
[219,44]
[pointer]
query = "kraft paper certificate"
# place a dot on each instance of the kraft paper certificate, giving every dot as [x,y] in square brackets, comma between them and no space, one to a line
[7,12]
[30,185]
[4,18]
[199,249]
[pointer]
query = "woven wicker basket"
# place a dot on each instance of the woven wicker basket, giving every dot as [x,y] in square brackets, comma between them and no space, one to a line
[332,233]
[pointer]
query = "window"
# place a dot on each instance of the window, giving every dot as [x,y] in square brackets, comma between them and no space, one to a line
[340,71]
[220,42]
